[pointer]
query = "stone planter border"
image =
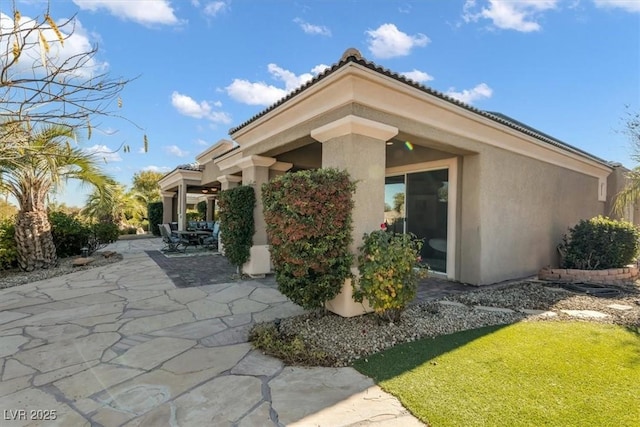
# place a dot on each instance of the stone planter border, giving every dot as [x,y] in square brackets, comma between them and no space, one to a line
[627,273]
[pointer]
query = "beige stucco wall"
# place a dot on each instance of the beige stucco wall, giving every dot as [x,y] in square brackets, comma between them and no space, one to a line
[210,173]
[524,206]
[512,208]
[361,156]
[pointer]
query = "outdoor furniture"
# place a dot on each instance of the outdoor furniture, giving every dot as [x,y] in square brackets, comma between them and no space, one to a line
[211,241]
[171,243]
[192,237]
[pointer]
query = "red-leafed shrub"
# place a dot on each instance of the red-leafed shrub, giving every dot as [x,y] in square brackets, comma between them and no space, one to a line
[308,216]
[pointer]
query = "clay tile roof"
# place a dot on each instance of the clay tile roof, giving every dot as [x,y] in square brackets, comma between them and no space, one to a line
[353,55]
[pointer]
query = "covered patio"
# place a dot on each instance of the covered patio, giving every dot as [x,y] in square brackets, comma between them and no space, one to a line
[490,196]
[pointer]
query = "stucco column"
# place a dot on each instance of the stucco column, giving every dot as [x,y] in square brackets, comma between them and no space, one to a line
[211,205]
[255,172]
[357,145]
[167,206]
[229,181]
[182,206]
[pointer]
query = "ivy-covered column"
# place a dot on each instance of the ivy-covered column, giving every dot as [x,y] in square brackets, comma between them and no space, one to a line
[255,172]
[227,182]
[357,145]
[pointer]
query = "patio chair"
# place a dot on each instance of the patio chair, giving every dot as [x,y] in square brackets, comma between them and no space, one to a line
[171,243]
[212,241]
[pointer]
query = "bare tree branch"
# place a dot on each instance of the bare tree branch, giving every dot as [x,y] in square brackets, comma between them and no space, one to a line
[44,81]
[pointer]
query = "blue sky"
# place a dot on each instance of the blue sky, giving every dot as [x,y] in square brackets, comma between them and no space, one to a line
[565,67]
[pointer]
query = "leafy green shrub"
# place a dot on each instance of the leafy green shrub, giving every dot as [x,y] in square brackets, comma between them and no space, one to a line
[389,265]
[155,215]
[308,216]
[236,223]
[291,349]
[193,215]
[105,232]
[69,234]
[600,243]
[8,249]
[201,207]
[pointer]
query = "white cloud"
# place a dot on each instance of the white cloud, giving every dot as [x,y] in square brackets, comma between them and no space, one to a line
[258,93]
[213,8]
[76,43]
[154,168]
[176,151]
[387,41]
[520,15]
[312,29]
[142,12]
[187,106]
[202,142]
[319,69]
[418,76]
[469,96]
[628,5]
[102,152]
[261,93]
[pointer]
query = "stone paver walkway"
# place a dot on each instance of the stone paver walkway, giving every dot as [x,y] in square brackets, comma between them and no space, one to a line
[122,345]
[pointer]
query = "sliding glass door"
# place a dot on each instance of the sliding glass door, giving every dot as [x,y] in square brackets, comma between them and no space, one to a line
[418,203]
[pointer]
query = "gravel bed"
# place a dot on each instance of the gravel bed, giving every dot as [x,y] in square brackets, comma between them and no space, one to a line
[10,278]
[347,339]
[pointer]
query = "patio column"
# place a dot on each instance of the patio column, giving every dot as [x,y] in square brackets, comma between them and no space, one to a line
[358,146]
[229,181]
[255,172]
[182,206]
[211,206]
[167,206]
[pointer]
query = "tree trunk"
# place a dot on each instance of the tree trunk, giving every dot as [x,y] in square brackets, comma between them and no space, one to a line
[34,241]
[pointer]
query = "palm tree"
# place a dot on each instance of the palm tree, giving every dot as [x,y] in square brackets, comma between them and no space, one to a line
[44,159]
[630,194]
[114,205]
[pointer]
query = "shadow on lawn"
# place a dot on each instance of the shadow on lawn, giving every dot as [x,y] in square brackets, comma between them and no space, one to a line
[405,357]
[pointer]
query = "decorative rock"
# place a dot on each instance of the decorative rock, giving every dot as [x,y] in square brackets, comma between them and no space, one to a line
[79,262]
[543,313]
[621,307]
[585,314]
[493,309]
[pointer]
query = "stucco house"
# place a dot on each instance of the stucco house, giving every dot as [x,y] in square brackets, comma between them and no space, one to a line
[491,196]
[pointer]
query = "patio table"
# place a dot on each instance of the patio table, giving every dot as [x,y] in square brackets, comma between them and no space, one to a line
[194,237]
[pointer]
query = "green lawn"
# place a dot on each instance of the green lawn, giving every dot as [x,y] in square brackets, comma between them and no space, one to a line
[526,374]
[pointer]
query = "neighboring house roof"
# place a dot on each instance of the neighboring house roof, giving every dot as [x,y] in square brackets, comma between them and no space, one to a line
[353,55]
[187,167]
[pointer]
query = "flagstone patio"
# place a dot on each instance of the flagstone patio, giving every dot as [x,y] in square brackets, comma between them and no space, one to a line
[122,345]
